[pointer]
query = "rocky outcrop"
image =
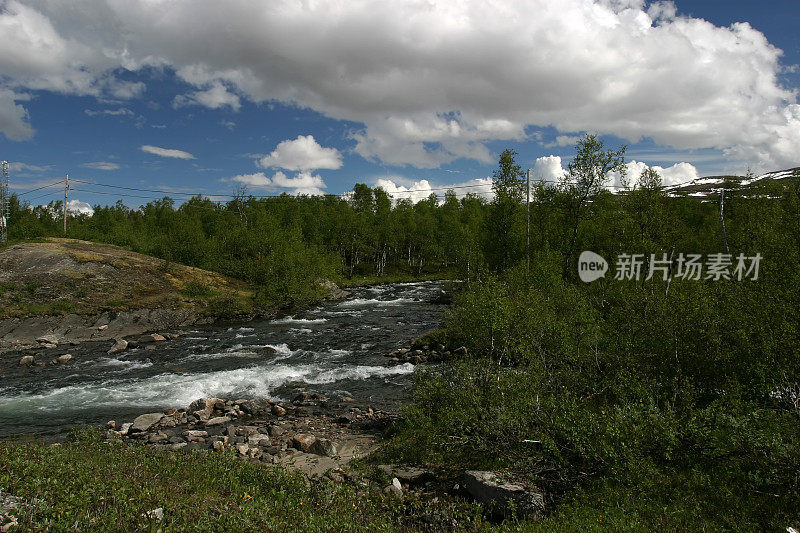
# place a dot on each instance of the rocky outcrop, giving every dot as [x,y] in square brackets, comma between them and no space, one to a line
[503,496]
[24,333]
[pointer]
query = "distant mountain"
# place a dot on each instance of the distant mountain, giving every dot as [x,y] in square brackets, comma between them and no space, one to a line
[709,185]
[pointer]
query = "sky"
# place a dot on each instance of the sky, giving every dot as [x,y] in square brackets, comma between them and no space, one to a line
[139,98]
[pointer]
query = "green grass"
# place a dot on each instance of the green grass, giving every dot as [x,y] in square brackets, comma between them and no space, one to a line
[89,484]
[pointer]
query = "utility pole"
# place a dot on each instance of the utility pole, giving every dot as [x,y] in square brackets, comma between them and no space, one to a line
[722,219]
[5,200]
[66,190]
[528,221]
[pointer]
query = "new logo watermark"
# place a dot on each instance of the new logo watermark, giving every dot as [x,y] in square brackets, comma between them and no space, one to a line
[592,266]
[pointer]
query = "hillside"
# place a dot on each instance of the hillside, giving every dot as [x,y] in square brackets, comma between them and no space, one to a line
[710,185]
[66,286]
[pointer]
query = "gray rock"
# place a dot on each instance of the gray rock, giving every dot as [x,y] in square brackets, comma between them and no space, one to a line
[242,449]
[275,431]
[256,406]
[489,488]
[155,514]
[177,446]
[26,360]
[47,339]
[218,421]
[144,422]
[126,428]
[395,489]
[407,474]
[64,358]
[277,410]
[120,345]
[323,447]
[303,441]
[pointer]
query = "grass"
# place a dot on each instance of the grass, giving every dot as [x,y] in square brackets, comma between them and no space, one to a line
[86,483]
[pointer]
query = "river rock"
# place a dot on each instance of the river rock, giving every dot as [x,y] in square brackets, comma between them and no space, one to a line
[255,407]
[277,410]
[206,404]
[242,449]
[26,360]
[64,358]
[268,350]
[48,339]
[120,345]
[303,441]
[145,422]
[323,447]
[126,428]
[489,488]
[218,421]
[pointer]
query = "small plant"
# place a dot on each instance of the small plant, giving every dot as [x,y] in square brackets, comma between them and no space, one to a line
[197,289]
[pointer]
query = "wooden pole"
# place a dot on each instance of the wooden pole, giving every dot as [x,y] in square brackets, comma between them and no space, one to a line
[66,190]
[528,221]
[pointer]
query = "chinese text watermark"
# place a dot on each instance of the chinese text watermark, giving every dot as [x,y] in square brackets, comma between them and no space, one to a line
[714,267]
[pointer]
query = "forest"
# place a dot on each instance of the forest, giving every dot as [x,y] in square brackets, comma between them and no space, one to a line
[655,402]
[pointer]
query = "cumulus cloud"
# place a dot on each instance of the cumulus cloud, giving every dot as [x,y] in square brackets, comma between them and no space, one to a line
[550,170]
[214,97]
[166,152]
[438,79]
[76,207]
[422,189]
[303,153]
[304,182]
[13,117]
[101,165]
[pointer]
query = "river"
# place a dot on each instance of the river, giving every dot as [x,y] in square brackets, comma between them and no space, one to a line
[337,349]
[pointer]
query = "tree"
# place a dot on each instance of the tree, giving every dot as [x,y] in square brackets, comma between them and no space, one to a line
[504,222]
[587,176]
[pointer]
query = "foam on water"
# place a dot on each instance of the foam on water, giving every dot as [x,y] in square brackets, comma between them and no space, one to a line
[292,320]
[357,302]
[168,390]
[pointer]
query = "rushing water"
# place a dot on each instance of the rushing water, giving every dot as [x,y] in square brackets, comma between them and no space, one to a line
[337,349]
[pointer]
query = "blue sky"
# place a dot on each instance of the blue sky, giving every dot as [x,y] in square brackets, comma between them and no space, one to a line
[207,97]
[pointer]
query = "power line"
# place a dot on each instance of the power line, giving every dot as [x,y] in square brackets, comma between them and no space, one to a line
[40,188]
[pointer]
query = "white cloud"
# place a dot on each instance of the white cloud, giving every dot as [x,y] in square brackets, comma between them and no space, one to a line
[18,166]
[548,169]
[438,79]
[166,152]
[76,207]
[215,97]
[304,182]
[303,153]
[119,112]
[13,117]
[422,189]
[101,165]
[228,124]
[564,140]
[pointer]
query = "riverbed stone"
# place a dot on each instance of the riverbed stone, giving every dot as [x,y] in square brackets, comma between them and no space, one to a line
[146,421]
[47,339]
[27,360]
[64,358]
[120,345]
[218,421]
[323,447]
[303,441]
[277,410]
[242,449]
[407,474]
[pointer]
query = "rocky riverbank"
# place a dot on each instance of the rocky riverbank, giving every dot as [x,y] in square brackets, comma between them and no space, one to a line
[312,433]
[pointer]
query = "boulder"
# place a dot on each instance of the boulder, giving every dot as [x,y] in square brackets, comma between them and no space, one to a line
[64,358]
[242,449]
[206,404]
[395,489]
[323,447]
[48,339]
[407,474]
[277,410]
[267,350]
[256,406]
[218,421]
[145,422]
[26,360]
[489,488]
[303,441]
[120,345]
